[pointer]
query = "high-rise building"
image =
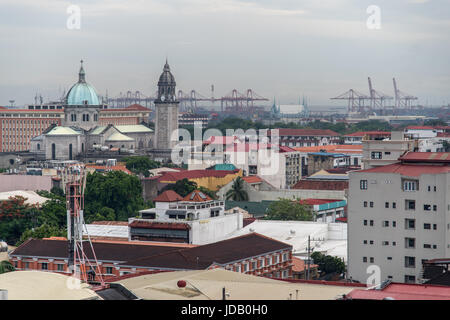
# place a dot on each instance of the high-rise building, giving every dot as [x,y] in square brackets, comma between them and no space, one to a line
[399,216]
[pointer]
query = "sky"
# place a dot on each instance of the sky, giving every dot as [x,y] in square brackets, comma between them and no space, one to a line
[279,48]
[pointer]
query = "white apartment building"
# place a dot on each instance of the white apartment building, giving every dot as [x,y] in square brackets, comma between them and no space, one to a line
[399,216]
[194,219]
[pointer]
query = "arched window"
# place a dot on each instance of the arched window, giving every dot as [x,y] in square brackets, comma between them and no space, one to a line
[53,151]
[39,146]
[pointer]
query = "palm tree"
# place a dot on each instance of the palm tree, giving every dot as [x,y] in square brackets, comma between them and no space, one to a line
[237,192]
[6,266]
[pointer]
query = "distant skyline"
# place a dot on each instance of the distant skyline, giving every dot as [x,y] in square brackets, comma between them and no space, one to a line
[279,48]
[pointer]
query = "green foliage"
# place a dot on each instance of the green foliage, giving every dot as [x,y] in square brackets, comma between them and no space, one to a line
[115,189]
[435,122]
[6,266]
[43,231]
[286,209]
[237,192]
[328,264]
[141,164]
[104,214]
[182,187]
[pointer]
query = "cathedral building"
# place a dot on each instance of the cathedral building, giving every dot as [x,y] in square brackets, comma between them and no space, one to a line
[81,129]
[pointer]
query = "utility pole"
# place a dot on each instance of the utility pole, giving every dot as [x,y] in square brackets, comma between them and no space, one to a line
[309,250]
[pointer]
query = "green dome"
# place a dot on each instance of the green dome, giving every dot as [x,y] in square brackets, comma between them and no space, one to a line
[81,92]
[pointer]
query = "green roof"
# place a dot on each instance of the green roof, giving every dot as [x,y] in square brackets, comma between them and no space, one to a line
[133,128]
[66,131]
[98,130]
[257,209]
[224,166]
[117,136]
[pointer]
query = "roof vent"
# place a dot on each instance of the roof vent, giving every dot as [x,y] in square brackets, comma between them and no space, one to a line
[292,232]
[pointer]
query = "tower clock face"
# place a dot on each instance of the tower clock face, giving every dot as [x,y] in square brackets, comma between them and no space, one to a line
[163,98]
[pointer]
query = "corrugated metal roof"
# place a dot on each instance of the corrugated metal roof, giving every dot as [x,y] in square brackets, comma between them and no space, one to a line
[117,136]
[66,131]
[135,128]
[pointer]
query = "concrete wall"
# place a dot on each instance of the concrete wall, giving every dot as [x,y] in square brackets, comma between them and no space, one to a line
[24,182]
[210,230]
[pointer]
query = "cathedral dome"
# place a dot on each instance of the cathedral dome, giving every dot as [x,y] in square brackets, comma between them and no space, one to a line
[81,92]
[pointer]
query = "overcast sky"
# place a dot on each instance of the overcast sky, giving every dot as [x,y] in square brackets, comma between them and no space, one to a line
[279,48]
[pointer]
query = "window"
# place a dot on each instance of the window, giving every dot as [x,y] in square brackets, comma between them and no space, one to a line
[385,224]
[394,205]
[371,223]
[371,242]
[434,189]
[410,224]
[434,207]
[372,260]
[365,242]
[389,258]
[385,243]
[365,222]
[363,184]
[427,207]
[410,205]
[410,262]
[60,267]
[410,185]
[245,267]
[429,188]
[109,270]
[410,243]
[44,266]
[364,259]
[386,204]
[376,155]
[427,246]
[254,266]
[427,226]
[27,265]
[371,204]
[394,224]
[238,268]
[394,243]
[434,226]
[410,279]
[285,256]
[365,204]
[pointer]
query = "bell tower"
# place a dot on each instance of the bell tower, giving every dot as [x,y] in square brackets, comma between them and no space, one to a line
[166,119]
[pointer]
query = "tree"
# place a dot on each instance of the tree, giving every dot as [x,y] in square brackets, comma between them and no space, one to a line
[6,266]
[182,187]
[43,231]
[328,264]
[141,165]
[105,214]
[237,192]
[286,209]
[115,189]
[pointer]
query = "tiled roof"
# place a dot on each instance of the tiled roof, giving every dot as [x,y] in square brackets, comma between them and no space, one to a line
[159,225]
[197,196]
[108,168]
[117,136]
[298,265]
[222,252]
[402,291]
[420,128]
[168,196]
[305,132]
[411,170]
[172,177]
[368,133]
[321,185]
[252,179]
[137,107]
[434,157]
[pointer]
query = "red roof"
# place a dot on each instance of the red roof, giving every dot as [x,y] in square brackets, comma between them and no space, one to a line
[433,157]
[411,170]
[109,168]
[368,133]
[443,134]
[400,291]
[312,202]
[159,225]
[338,148]
[168,196]
[252,179]
[172,177]
[137,107]
[220,140]
[298,265]
[321,185]
[304,132]
[420,128]
[197,196]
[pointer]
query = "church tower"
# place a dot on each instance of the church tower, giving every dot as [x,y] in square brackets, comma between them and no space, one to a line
[166,120]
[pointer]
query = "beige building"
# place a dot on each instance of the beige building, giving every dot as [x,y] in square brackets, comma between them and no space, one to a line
[399,216]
